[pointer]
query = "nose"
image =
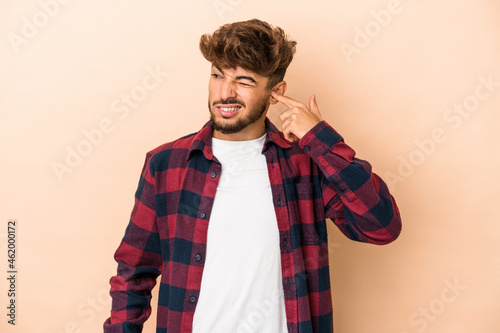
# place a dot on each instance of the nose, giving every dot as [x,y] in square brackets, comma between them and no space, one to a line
[228,89]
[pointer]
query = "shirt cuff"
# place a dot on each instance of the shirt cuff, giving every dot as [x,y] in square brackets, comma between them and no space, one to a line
[320,139]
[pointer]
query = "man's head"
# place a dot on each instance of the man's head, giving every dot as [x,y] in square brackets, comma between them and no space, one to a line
[249,60]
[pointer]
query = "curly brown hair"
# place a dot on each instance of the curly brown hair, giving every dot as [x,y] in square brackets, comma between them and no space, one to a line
[253,45]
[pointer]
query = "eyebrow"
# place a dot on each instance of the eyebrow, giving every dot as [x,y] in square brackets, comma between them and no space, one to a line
[241,77]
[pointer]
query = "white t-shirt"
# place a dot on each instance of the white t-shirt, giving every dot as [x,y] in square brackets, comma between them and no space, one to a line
[241,288]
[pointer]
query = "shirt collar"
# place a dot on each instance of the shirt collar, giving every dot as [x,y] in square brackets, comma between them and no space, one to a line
[202,140]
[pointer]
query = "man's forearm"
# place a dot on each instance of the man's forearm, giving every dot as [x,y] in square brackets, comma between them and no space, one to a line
[366,210]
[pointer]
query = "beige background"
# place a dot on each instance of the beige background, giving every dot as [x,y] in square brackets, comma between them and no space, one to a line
[390,77]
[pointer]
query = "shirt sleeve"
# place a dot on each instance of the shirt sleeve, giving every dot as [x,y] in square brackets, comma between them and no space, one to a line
[139,262]
[356,199]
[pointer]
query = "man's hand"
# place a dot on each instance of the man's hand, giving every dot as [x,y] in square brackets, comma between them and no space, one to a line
[298,119]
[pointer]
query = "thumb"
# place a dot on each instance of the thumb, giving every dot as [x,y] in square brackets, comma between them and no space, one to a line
[313,106]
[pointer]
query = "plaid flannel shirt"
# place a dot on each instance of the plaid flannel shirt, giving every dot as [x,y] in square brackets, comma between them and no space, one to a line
[311,180]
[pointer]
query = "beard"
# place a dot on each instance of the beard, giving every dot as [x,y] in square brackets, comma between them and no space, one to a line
[254,114]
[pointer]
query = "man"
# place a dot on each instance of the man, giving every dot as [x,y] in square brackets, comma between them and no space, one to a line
[233,217]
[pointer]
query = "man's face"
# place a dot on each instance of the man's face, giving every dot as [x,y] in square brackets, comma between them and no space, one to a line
[238,101]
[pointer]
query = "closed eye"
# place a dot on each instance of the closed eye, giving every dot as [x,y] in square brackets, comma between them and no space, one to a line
[247,84]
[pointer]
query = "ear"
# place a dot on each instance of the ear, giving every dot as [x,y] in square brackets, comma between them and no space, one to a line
[280,88]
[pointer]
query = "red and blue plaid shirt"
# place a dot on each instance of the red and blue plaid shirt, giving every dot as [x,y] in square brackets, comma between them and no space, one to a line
[311,180]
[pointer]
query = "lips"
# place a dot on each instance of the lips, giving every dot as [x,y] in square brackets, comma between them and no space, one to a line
[228,110]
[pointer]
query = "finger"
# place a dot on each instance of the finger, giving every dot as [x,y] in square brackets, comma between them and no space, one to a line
[288,130]
[292,138]
[287,114]
[313,106]
[286,125]
[286,100]
[289,135]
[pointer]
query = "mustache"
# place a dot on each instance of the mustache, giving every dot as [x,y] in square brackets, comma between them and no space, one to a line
[229,101]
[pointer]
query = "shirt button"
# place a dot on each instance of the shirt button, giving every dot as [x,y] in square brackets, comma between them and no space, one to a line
[213,175]
[197,257]
[192,299]
[279,202]
[284,242]
[203,215]
[306,148]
